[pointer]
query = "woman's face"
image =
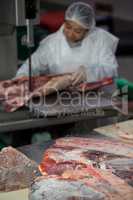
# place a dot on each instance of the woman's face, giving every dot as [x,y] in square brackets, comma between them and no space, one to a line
[73,31]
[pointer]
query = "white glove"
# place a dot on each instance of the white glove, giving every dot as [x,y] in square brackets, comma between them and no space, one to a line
[55,84]
[79,76]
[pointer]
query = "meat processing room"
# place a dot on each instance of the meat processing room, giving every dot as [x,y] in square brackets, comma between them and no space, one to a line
[66,100]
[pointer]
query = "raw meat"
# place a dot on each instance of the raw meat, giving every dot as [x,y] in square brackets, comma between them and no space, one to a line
[16,170]
[15,93]
[58,160]
[63,158]
[95,85]
[122,168]
[73,159]
[58,188]
[104,145]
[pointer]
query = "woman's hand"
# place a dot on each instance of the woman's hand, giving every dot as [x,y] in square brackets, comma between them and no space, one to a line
[79,76]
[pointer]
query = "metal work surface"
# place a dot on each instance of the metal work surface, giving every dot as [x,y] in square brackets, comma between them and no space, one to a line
[35,151]
[43,116]
[72,102]
[22,120]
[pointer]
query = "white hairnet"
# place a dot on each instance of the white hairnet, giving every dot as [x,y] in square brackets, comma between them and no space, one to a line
[82,13]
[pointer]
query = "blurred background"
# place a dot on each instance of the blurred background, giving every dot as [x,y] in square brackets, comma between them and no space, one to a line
[115,16]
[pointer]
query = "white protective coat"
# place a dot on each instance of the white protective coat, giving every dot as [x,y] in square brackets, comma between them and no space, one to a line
[96,53]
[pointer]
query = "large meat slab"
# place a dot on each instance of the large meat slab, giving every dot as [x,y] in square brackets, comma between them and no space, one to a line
[105,145]
[106,166]
[15,93]
[16,170]
[56,187]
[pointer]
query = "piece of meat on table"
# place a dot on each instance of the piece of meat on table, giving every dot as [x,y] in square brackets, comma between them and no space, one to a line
[56,187]
[16,170]
[71,163]
[95,85]
[104,145]
[67,168]
[15,93]
[121,167]
[57,160]
[63,162]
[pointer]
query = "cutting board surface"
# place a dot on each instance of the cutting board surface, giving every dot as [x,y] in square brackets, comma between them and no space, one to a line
[15,195]
[122,130]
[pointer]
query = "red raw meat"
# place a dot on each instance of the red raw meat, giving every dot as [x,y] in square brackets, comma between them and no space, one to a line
[16,170]
[57,160]
[75,160]
[63,158]
[61,161]
[121,167]
[56,187]
[95,85]
[15,93]
[104,145]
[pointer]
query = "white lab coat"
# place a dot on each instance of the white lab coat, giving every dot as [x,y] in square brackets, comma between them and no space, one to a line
[96,53]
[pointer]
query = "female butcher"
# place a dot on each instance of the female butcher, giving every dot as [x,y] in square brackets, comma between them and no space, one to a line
[78,47]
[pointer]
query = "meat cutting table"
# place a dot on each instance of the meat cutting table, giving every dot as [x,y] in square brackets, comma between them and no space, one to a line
[43,116]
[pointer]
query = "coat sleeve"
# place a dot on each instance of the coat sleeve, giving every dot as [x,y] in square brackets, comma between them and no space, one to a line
[106,65]
[39,60]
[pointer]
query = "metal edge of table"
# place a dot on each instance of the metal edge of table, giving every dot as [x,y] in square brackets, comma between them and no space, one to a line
[32,122]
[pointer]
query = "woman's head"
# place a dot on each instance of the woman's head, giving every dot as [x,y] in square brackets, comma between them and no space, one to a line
[73,31]
[79,19]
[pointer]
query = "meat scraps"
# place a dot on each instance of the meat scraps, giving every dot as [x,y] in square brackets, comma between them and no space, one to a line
[16,170]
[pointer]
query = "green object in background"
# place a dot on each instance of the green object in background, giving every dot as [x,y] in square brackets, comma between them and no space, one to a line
[41,137]
[2,145]
[5,140]
[125,86]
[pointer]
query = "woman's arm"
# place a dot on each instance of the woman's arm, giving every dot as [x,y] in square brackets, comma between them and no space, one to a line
[39,62]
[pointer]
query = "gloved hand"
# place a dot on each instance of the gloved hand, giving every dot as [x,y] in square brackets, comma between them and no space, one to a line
[79,76]
[55,84]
